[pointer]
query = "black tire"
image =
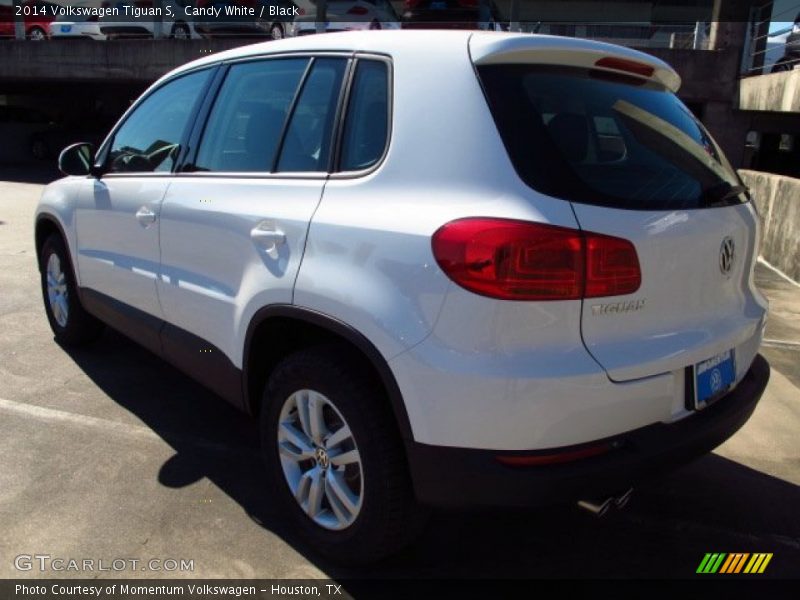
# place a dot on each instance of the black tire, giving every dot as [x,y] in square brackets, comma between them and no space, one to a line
[180,31]
[79,327]
[37,34]
[276,32]
[390,517]
[39,148]
[784,64]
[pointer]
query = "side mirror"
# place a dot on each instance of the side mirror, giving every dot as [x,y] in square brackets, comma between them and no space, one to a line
[77,159]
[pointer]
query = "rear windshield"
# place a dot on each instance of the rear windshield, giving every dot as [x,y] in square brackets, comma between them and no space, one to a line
[594,138]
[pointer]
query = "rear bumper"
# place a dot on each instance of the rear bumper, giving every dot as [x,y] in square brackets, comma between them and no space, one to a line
[446,476]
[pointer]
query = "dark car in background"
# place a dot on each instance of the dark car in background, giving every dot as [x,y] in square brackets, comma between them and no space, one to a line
[20,127]
[791,52]
[452,14]
[272,18]
[30,134]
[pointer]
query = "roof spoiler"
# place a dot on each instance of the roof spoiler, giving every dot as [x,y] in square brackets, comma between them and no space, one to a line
[487,49]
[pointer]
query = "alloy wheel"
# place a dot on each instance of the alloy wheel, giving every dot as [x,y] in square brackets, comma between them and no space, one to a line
[320,460]
[57,294]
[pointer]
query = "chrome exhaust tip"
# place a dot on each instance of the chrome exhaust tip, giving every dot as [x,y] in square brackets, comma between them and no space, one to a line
[621,501]
[597,507]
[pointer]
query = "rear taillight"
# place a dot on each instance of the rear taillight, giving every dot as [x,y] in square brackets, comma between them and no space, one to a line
[612,266]
[358,10]
[518,260]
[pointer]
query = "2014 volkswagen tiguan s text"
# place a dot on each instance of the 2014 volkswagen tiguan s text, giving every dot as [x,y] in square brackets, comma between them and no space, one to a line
[441,269]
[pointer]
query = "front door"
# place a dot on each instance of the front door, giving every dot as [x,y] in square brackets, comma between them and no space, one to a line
[118,213]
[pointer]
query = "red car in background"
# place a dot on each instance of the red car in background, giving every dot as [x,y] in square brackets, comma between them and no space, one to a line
[37,18]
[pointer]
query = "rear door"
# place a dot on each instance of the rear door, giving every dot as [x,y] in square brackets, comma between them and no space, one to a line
[636,164]
[233,228]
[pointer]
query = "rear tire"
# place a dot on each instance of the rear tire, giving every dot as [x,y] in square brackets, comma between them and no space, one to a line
[70,323]
[276,32]
[37,34]
[379,514]
[39,149]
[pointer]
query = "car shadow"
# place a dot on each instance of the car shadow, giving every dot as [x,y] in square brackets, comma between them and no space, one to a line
[712,505]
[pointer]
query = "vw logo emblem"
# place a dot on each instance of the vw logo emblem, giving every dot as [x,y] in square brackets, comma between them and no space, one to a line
[322,458]
[727,253]
[716,380]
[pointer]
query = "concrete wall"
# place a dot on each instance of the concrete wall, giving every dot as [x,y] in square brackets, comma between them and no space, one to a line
[778,201]
[777,92]
[85,60]
[710,78]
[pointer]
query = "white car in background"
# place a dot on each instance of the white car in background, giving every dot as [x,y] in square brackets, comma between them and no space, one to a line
[72,26]
[175,23]
[345,15]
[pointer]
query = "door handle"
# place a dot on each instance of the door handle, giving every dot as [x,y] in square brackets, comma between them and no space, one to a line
[268,237]
[145,216]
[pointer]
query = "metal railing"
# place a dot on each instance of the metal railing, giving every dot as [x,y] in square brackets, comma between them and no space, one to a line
[772,42]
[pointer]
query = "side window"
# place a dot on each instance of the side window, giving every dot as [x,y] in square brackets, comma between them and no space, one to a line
[246,122]
[308,137]
[366,124]
[148,141]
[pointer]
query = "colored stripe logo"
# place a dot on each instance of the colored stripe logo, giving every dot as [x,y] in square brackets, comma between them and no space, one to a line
[735,562]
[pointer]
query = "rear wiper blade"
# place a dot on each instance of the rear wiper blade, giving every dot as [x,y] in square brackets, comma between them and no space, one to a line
[719,194]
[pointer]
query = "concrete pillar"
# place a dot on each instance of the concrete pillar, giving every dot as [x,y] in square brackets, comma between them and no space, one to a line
[19,22]
[322,15]
[729,24]
[158,21]
[513,16]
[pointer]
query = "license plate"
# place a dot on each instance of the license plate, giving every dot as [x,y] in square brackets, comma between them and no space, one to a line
[66,28]
[713,377]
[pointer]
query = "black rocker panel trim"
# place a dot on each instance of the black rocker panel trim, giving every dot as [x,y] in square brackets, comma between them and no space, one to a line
[189,353]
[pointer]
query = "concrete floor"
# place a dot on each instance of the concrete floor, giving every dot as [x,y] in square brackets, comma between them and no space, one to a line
[110,453]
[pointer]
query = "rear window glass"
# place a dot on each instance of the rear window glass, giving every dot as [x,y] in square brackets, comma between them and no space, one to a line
[592,138]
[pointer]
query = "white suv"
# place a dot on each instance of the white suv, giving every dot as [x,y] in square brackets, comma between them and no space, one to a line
[448,269]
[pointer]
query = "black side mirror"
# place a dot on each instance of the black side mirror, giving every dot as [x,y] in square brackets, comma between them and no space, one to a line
[77,159]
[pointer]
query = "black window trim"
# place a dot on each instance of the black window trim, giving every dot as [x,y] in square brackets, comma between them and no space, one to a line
[198,119]
[290,114]
[102,155]
[187,167]
[336,173]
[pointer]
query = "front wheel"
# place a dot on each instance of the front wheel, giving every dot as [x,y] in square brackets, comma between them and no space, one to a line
[70,323]
[276,32]
[336,459]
